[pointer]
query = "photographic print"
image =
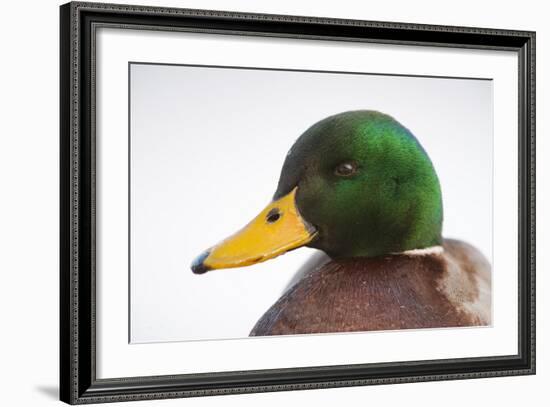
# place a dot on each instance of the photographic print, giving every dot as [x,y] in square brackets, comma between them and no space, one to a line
[254,202]
[285,202]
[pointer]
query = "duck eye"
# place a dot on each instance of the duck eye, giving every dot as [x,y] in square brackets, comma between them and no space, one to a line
[346,169]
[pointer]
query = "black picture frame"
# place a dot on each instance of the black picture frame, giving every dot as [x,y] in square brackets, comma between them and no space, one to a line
[78,382]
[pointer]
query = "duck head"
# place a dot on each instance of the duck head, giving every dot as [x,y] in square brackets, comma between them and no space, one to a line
[356,184]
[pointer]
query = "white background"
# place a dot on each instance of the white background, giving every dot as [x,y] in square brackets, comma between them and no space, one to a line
[29,177]
[207,148]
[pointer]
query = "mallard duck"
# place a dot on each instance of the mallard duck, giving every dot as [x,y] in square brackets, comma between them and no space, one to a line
[359,187]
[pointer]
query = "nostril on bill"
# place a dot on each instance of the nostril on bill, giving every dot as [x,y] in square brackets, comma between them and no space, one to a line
[273,215]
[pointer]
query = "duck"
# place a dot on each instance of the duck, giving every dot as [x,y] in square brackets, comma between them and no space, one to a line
[360,188]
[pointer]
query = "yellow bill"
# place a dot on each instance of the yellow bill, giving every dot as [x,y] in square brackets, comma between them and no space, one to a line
[276,230]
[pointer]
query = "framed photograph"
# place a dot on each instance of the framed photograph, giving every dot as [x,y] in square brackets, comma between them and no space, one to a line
[256,203]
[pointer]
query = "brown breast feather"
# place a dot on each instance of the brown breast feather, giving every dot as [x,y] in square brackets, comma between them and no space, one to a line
[385,293]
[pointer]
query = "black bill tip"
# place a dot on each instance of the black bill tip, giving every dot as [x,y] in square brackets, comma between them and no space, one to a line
[198,266]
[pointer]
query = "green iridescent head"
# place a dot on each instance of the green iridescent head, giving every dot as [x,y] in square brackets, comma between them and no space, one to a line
[356,184]
[366,184]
